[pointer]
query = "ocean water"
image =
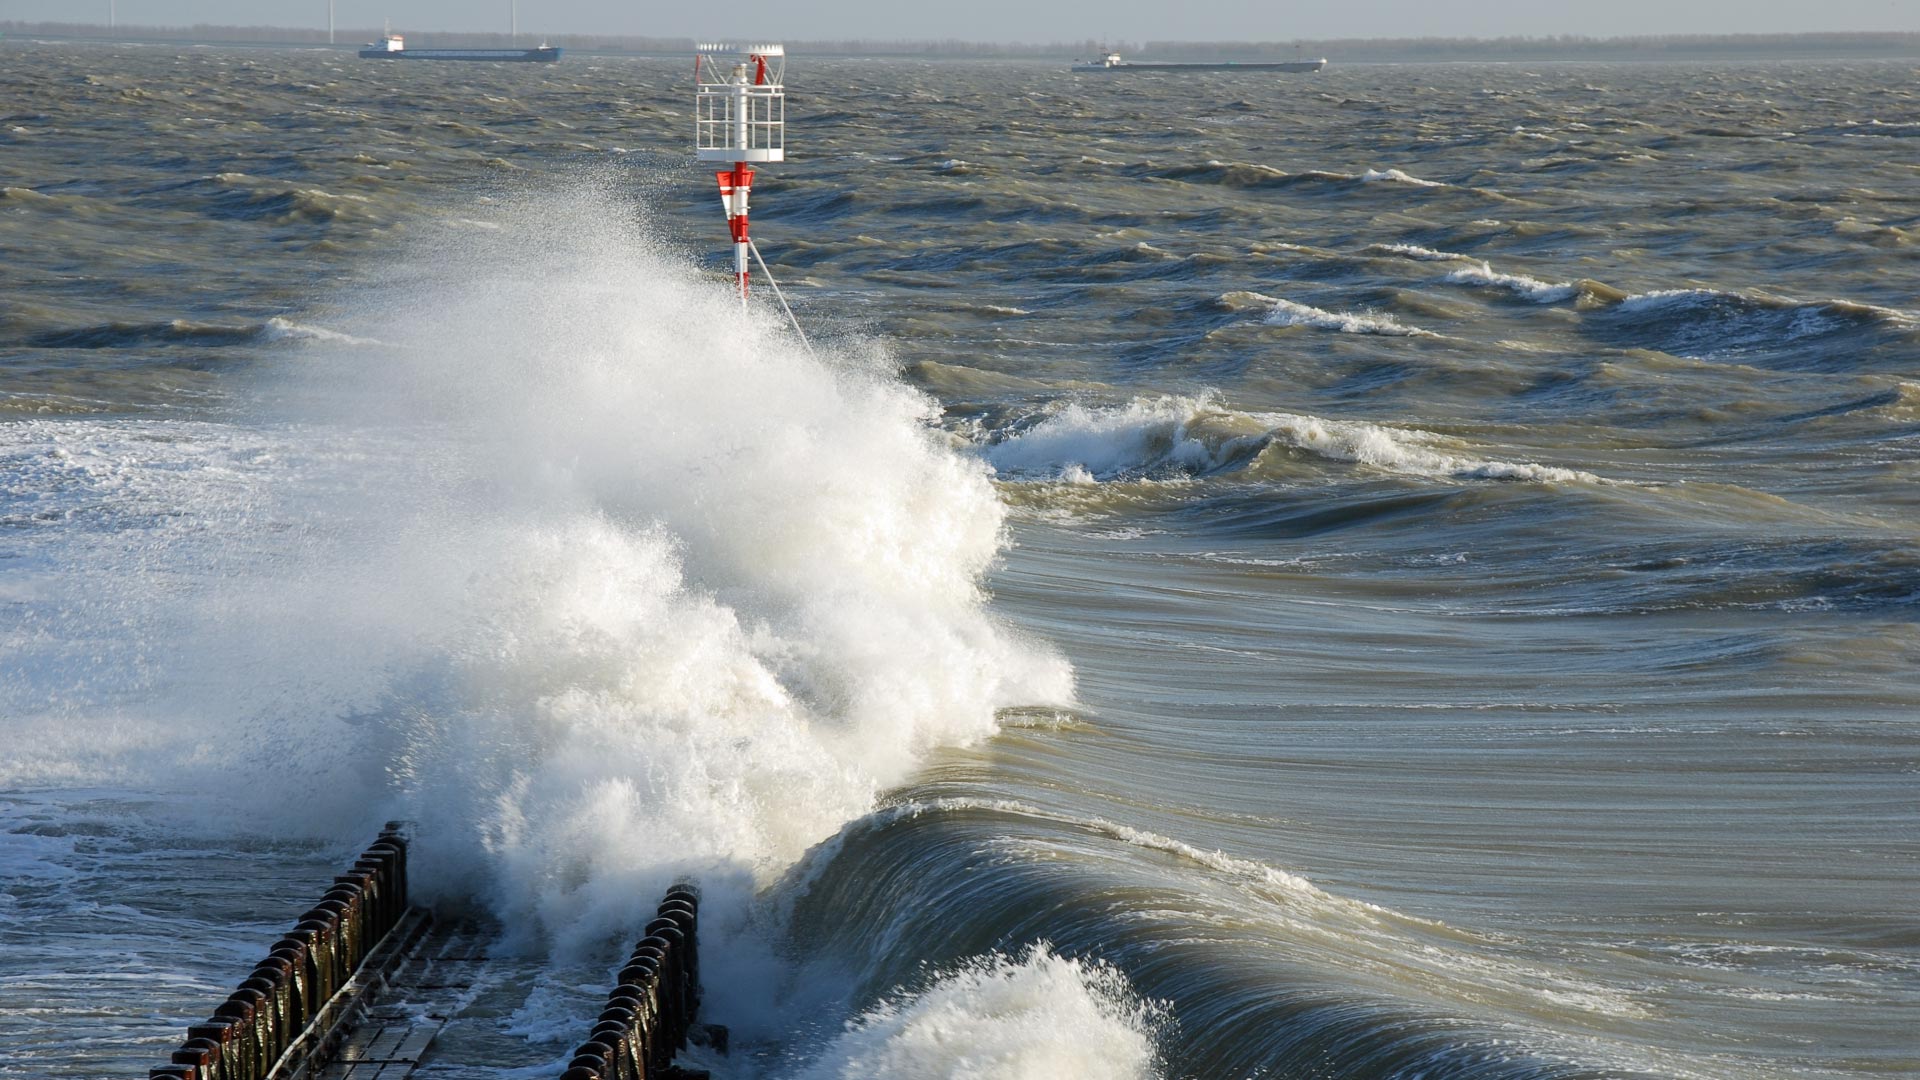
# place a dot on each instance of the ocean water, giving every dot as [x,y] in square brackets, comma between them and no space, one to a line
[1405,571]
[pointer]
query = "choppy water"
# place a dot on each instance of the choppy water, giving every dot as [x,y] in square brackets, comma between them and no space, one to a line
[1404,571]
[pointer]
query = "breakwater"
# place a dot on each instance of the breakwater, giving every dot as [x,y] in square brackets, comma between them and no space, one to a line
[350,991]
[288,1015]
[652,1012]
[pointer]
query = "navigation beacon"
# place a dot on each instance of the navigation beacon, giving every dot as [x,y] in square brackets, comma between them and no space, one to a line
[740,116]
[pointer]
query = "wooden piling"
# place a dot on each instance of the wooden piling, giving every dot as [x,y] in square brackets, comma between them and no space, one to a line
[653,1011]
[286,1017]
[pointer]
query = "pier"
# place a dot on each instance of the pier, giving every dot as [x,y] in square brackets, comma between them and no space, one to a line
[364,982]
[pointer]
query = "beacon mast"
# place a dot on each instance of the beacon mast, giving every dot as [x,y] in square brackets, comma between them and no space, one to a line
[740,116]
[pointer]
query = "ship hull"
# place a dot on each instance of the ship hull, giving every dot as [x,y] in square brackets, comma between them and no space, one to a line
[503,56]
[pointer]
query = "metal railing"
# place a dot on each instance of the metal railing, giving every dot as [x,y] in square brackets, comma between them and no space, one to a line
[286,1017]
[749,118]
[652,1012]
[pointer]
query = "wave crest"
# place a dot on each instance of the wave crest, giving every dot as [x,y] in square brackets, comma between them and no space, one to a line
[597,580]
[1540,292]
[1396,176]
[1034,1016]
[1706,323]
[1153,438]
[1289,313]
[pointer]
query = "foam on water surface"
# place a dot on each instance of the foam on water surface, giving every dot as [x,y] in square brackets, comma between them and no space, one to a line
[1197,435]
[1540,292]
[1289,313]
[1034,1016]
[598,580]
[1423,254]
[1397,176]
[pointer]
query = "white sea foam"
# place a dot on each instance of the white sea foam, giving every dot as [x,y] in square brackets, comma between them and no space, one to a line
[1404,450]
[280,329]
[1395,176]
[1540,292]
[1174,434]
[1669,299]
[1288,313]
[1081,444]
[1424,254]
[594,578]
[1037,1016]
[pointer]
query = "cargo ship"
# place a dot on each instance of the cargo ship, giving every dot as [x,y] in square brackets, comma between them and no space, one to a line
[1112,62]
[394,47]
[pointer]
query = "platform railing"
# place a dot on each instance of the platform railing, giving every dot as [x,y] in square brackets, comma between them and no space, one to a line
[652,1013]
[285,1017]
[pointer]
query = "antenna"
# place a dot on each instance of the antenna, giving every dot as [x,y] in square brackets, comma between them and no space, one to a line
[513,20]
[329,22]
[740,116]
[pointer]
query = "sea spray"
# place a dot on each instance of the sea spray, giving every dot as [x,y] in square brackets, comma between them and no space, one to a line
[1037,1016]
[596,578]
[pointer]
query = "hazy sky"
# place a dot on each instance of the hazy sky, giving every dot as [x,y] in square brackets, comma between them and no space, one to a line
[1025,20]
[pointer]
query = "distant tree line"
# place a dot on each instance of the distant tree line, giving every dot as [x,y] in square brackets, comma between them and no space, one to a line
[1565,47]
[1561,47]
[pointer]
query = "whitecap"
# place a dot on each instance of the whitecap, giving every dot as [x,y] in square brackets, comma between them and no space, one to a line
[1080,444]
[280,329]
[1396,176]
[1540,292]
[1033,1016]
[1288,313]
[1194,435]
[1423,254]
[1671,299]
[1406,450]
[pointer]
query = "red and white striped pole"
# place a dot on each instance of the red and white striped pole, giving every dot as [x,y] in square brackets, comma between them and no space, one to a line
[735,184]
[739,122]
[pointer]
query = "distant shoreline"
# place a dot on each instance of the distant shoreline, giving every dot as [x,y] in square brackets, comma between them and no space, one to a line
[1892,45]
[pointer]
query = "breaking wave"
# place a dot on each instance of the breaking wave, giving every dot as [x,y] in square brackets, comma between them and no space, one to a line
[1396,176]
[1288,313]
[1707,323]
[1035,1016]
[1540,292]
[1165,437]
[1415,251]
[1291,314]
[596,579]
[279,329]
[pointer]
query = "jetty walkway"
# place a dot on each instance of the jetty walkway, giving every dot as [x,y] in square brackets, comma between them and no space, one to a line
[365,983]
